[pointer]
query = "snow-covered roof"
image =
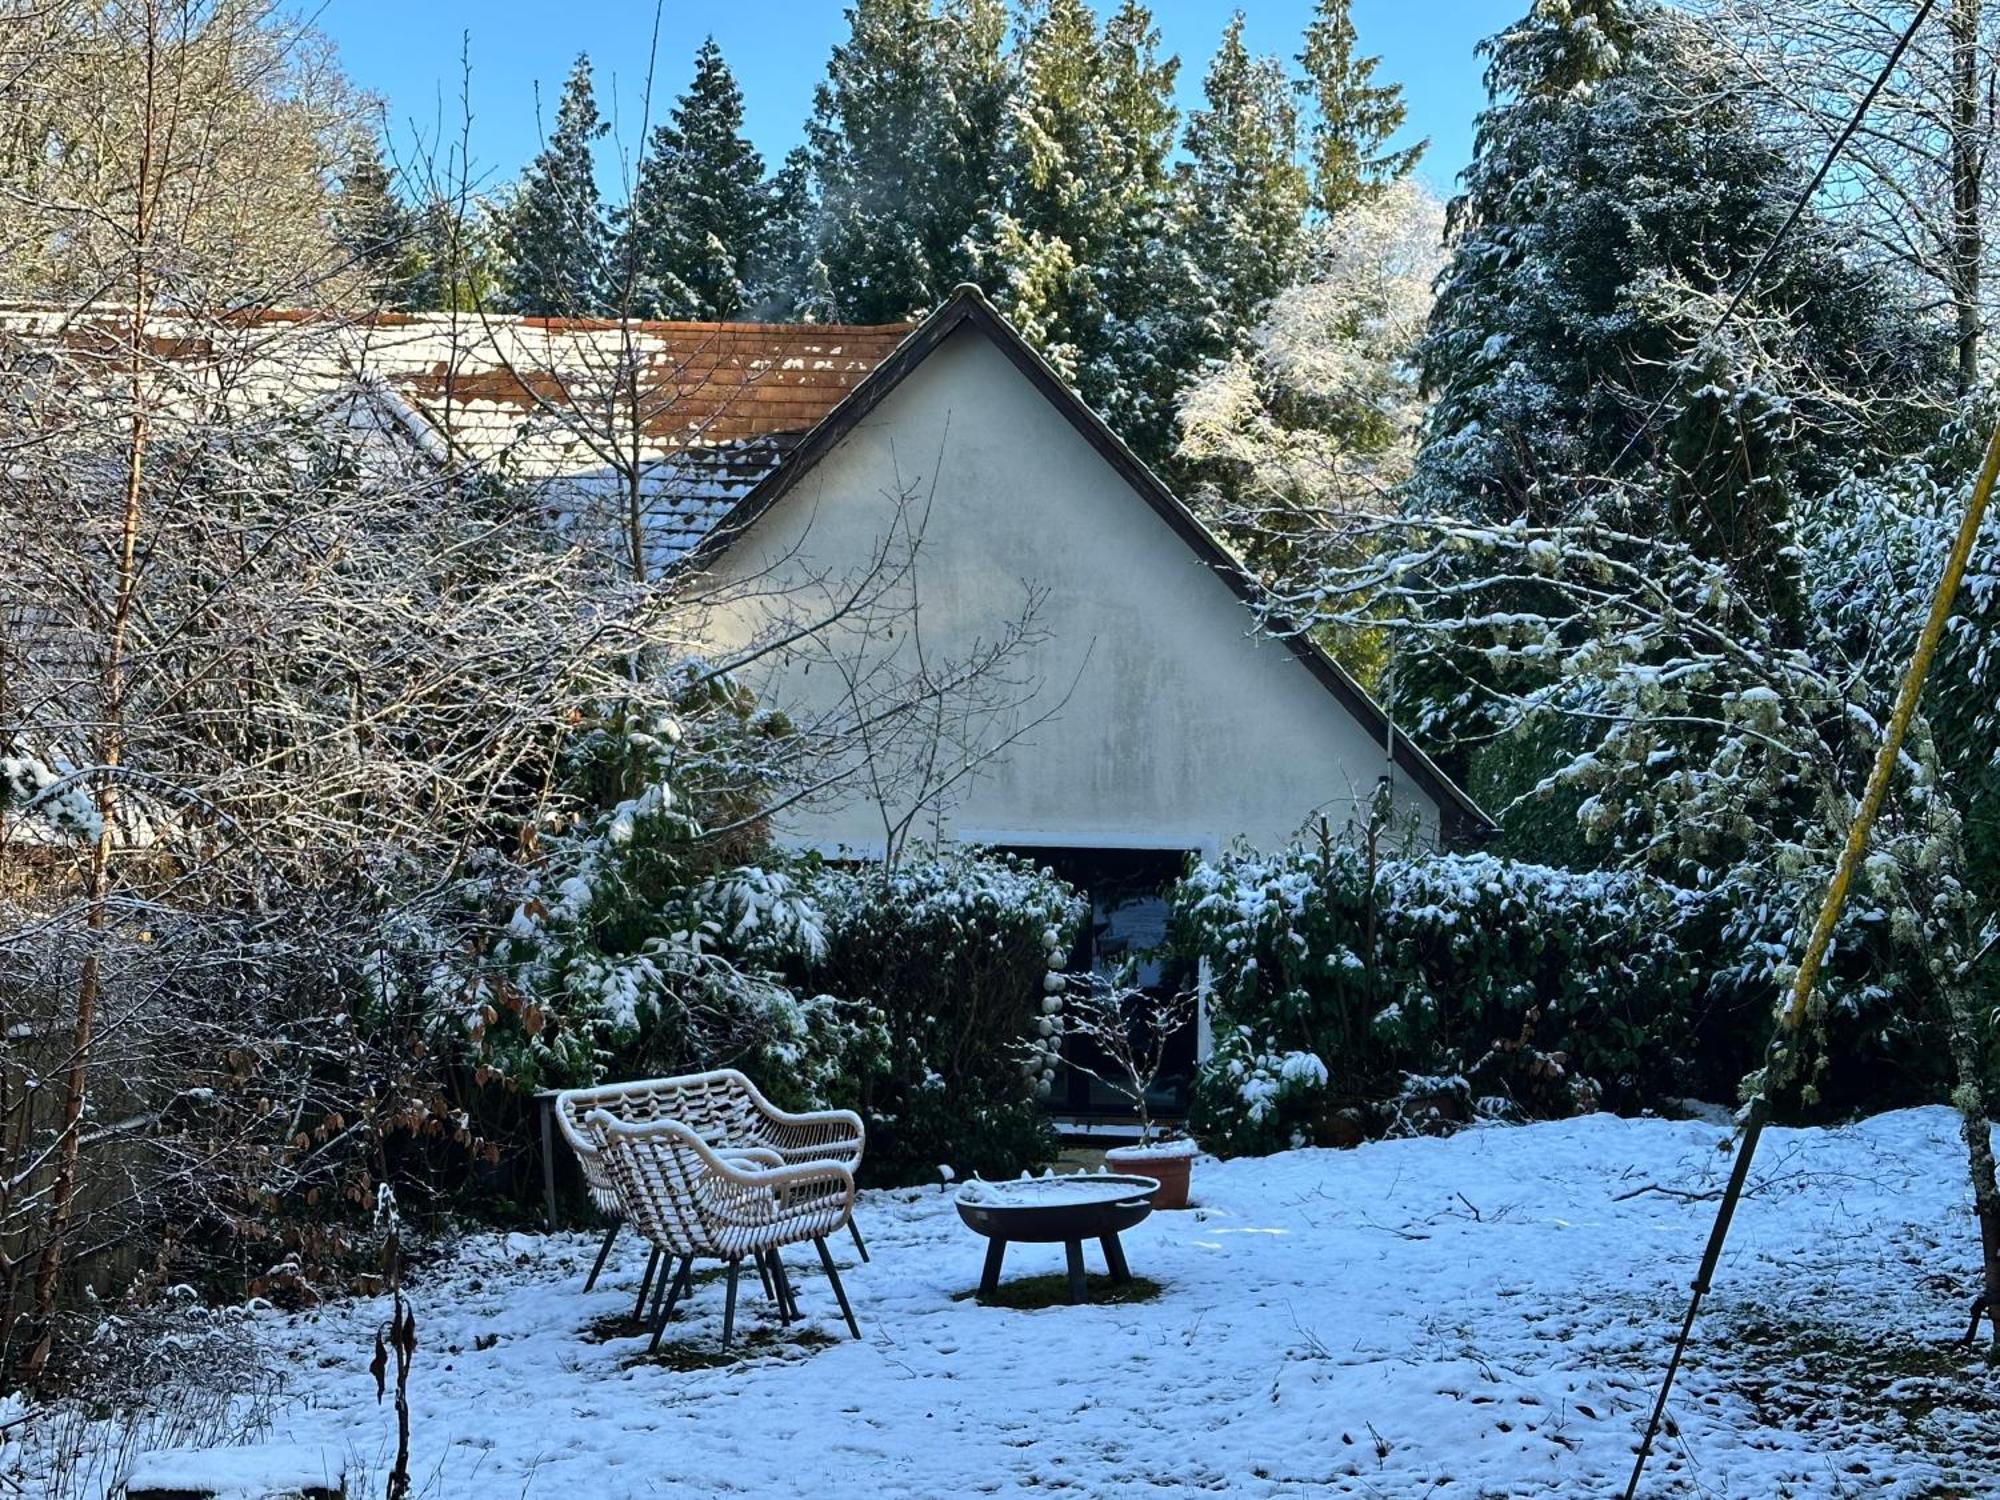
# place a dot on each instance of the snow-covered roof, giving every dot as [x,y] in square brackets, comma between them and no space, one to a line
[698,413]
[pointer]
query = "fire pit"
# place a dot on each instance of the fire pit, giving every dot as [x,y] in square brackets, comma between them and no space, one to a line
[1052,1210]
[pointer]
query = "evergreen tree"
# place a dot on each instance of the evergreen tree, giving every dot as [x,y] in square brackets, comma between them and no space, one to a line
[1085,239]
[1618,193]
[376,229]
[787,277]
[455,265]
[904,144]
[1353,117]
[1064,199]
[553,233]
[975,91]
[699,209]
[1143,272]
[1243,196]
[867,138]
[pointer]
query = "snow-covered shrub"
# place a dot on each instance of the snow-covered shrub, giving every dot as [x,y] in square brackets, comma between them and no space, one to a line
[952,950]
[643,943]
[1349,996]
[905,992]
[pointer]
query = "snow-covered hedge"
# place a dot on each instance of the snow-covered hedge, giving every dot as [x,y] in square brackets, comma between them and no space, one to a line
[1349,999]
[913,993]
[952,951]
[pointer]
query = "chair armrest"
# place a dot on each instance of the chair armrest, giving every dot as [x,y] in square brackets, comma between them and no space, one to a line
[811,1135]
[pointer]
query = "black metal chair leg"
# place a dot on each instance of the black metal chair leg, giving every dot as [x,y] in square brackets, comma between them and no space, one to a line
[663,1309]
[603,1252]
[1073,1249]
[855,1230]
[839,1291]
[729,1304]
[646,1283]
[764,1275]
[683,1283]
[667,1290]
[788,1300]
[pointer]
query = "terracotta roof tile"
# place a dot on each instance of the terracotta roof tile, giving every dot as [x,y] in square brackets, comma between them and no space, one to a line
[717,405]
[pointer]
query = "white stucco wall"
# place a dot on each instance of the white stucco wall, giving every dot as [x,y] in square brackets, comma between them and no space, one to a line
[1173,724]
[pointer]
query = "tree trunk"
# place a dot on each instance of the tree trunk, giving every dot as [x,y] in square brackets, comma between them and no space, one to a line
[1967,171]
[111,741]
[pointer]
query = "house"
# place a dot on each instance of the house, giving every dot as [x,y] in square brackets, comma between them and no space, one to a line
[922,547]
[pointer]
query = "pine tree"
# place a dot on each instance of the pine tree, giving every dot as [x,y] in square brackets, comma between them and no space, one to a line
[376,228]
[787,277]
[1353,117]
[553,233]
[975,86]
[1085,235]
[1063,201]
[455,263]
[904,145]
[698,212]
[1619,194]
[1242,195]
[1143,272]
[1618,189]
[867,141]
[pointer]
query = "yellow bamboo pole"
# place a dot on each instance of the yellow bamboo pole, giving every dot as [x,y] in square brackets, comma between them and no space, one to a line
[1851,855]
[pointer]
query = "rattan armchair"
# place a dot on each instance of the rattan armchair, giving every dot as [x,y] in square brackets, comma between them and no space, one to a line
[691,1200]
[726,1110]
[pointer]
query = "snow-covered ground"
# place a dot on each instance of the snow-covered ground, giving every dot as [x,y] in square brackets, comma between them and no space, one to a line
[1485,1315]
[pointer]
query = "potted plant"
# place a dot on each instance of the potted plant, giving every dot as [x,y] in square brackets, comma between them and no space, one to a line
[1129,1030]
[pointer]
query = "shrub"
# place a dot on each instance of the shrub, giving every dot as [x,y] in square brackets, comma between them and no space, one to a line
[953,951]
[1351,996]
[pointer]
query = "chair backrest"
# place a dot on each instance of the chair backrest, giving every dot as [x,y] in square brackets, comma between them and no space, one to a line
[637,1103]
[657,1177]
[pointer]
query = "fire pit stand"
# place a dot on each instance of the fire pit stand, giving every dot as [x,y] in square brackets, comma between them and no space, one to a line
[1057,1210]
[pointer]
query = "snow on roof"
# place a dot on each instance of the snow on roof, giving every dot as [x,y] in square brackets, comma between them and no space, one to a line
[697,414]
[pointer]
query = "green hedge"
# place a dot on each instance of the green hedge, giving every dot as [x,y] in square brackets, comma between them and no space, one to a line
[952,952]
[1351,997]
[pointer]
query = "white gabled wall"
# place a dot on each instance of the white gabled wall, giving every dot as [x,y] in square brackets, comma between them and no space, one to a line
[1174,724]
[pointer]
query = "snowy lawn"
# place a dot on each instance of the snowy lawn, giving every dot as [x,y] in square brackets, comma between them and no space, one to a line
[1484,1315]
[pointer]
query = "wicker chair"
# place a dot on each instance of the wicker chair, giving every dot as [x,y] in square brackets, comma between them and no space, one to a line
[726,1110]
[691,1200]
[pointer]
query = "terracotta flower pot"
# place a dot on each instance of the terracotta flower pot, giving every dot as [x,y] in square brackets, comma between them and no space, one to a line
[1167,1162]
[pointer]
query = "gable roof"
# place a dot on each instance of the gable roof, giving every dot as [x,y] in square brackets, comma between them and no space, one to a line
[1461,818]
[730,417]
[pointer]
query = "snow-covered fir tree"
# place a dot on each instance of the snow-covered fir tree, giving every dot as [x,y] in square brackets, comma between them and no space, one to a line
[903,142]
[1619,194]
[1242,196]
[698,211]
[553,232]
[1089,132]
[787,277]
[1352,117]
[1143,272]
[376,228]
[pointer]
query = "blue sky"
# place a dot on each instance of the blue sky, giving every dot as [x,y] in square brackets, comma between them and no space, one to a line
[407,53]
